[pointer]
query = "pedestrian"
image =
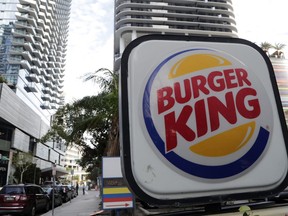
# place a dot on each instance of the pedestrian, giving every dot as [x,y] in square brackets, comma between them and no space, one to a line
[83,189]
[77,187]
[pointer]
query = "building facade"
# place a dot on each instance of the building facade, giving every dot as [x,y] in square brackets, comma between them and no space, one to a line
[33,39]
[76,173]
[134,18]
[280,66]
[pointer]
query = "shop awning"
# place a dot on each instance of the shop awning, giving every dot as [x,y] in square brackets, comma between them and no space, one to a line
[60,171]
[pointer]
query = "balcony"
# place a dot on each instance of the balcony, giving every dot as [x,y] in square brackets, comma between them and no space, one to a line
[14,60]
[51,64]
[31,87]
[46,97]
[19,33]
[39,46]
[47,90]
[37,62]
[16,51]
[49,77]
[39,38]
[38,54]
[45,105]
[28,46]
[45,57]
[32,78]
[26,65]
[52,58]
[18,42]
[27,9]
[48,83]
[47,36]
[32,3]
[54,106]
[35,70]
[41,78]
[21,16]
[24,24]
[30,38]
[27,56]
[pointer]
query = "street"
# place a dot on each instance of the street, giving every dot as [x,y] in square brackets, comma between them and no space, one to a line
[82,205]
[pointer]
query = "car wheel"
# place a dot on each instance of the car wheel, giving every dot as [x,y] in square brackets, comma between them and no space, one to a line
[32,211]
[47,207]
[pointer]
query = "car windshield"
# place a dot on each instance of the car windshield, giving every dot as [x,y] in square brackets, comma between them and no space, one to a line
[12,190]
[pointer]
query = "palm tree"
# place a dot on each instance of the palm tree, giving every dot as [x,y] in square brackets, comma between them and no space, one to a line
[108,81]
[265,46]
[278,50]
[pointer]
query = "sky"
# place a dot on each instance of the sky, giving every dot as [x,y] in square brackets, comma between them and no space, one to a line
[90,41]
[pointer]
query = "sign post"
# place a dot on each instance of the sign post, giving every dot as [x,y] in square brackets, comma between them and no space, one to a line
[53,187]
[115,194]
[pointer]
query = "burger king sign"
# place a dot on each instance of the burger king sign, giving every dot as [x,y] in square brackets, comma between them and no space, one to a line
[201,118]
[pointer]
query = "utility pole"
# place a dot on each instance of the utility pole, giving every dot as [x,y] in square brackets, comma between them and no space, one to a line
[53,187]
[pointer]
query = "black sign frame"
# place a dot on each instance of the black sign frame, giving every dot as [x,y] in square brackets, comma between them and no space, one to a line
[125,132]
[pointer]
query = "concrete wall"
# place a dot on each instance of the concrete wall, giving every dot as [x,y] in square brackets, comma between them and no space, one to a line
[17,113]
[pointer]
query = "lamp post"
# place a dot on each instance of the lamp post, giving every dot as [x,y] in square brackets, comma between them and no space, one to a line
[35,162]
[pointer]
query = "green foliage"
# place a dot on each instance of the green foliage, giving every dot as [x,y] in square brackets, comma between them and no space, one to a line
[95,117]
[278,47]
[2,79]
[246,210]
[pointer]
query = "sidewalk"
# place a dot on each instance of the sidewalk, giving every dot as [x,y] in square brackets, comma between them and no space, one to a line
[82,205]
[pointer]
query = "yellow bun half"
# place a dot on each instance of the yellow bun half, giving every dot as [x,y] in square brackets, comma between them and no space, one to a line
[196,62]
[226,142]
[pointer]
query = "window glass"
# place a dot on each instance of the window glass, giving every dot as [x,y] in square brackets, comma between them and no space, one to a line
[12,190]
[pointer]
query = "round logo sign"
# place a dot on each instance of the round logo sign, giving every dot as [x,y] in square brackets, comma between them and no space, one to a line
[207,113]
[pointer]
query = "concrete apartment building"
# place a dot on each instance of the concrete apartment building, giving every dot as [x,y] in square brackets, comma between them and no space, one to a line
[33,39]
[134,18]
[72,155]
[211,18]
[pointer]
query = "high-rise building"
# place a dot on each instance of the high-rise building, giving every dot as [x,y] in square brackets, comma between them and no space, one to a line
[134,18]
[33,39]
[32,54]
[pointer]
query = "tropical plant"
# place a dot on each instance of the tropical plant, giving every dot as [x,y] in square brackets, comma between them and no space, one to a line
[265,46]
[90,123]
[108,81]
[278,50]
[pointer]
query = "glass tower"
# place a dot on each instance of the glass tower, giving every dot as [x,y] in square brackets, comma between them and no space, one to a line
[33,38]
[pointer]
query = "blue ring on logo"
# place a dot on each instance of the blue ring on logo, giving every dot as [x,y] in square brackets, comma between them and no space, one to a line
[199,170]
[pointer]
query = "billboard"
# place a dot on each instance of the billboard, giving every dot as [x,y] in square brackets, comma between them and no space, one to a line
[201,120]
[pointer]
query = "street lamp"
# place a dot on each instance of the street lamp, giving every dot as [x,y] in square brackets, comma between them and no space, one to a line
[35,160]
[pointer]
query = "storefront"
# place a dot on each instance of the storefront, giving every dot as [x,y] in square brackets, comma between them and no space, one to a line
[5,143]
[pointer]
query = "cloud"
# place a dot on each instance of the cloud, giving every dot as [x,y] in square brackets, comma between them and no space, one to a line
[90,45]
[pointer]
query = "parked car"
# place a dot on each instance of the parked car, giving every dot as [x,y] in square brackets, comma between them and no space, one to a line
[65,192]
[74,192]
[57,196]
[24,199]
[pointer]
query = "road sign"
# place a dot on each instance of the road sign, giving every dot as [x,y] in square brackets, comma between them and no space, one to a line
[115,193]
[117,198]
